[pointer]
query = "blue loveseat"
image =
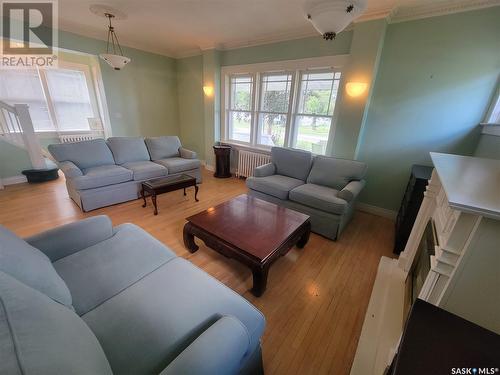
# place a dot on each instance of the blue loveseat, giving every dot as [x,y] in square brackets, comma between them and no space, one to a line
[90,298]
[322,187]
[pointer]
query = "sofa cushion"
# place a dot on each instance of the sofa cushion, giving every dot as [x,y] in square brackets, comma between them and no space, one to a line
[176,165]
[40,336]
[99,272]
[145,170]
[276,185]
[84,154]
[101,176]
[320,197]
[292,163]
[128,149]
[31,267]
[163,147]
[335,173]
[150,323]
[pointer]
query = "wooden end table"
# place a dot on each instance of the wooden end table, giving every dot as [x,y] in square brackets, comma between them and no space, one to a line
[164,185]
[251,231]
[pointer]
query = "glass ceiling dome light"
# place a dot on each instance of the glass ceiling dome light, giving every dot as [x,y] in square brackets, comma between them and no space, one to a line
[330,17]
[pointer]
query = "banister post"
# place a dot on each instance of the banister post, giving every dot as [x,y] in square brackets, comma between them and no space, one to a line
[30,139]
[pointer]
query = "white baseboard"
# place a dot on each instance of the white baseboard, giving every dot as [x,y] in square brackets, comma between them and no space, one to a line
[379,211]
[13,180]
[208,167]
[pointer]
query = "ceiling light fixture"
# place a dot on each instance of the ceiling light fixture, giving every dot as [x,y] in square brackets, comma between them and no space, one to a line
[330,17]
[114,54]
[115,60]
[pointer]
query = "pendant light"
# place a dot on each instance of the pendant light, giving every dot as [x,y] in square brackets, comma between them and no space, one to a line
[114,54]
[330,17]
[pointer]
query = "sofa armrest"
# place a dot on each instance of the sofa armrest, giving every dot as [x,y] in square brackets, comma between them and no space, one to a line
[351,190]
[219,350]
[187,154]
[69,169]
[265,170]
[68,239]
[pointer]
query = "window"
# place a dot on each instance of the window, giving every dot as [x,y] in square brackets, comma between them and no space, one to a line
[240,108]
[267,107]
[493,115]
[317,97]
[61,100]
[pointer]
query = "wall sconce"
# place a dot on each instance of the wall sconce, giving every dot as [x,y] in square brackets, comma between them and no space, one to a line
[208,90]
[355,89]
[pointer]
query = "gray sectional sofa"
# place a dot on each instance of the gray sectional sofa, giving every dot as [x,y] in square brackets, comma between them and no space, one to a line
[90,298]
[101,173]
[322,187]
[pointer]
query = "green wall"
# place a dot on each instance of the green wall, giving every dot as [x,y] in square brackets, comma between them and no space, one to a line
[488,147]
[12,160]
[434,85]
[141,98]
[288,50]
[190,102]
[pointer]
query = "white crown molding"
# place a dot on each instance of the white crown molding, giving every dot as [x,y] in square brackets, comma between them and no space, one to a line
[408,13]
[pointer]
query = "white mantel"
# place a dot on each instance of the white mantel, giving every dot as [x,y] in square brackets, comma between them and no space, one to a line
[471,184]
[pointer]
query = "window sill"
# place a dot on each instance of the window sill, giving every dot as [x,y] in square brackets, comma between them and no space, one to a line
[244,146]
[491,129]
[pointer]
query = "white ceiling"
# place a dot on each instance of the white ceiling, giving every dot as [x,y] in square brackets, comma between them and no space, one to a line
[183,27]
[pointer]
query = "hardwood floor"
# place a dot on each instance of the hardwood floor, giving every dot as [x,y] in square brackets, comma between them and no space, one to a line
[315,300]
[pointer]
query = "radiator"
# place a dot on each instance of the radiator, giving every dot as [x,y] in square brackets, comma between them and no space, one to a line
[248,161]
[69,138]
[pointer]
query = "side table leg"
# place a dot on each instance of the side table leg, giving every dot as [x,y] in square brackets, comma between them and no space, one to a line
[184,191]
[153,199]
[143,197]
[259,281]
[189,239]
[305,237]
[196,193]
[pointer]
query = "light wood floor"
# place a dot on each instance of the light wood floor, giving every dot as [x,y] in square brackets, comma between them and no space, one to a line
[316,297]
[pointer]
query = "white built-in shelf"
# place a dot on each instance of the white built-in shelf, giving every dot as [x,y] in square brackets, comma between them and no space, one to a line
[471,184]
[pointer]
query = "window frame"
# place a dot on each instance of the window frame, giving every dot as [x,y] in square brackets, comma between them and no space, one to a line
[296,68]
[95,89]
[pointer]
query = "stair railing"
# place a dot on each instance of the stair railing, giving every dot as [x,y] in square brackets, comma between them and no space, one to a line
[16,127]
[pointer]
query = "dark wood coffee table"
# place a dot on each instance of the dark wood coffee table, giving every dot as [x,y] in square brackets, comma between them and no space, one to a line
[250,230]
[164,185]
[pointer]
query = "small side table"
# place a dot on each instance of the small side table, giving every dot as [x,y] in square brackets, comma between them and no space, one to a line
[222,161]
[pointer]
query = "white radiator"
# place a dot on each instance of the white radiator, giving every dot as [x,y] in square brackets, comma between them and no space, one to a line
[248,161]
[69,138]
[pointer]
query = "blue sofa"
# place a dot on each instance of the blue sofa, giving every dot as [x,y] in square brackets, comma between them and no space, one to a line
[101,173]
[90,298]
[322,187]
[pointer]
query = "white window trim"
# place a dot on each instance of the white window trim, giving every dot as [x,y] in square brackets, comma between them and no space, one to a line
[489,126]
[328,62]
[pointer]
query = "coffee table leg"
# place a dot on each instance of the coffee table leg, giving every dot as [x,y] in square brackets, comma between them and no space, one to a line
[153,199]
[189,239]
[196,193]
[259,281]
[143,197]
[305,237]
[184,191]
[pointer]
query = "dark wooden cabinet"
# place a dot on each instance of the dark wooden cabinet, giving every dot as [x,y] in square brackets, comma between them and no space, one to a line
[420,175]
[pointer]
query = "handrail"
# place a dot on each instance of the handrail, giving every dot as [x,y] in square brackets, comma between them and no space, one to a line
[8,107]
